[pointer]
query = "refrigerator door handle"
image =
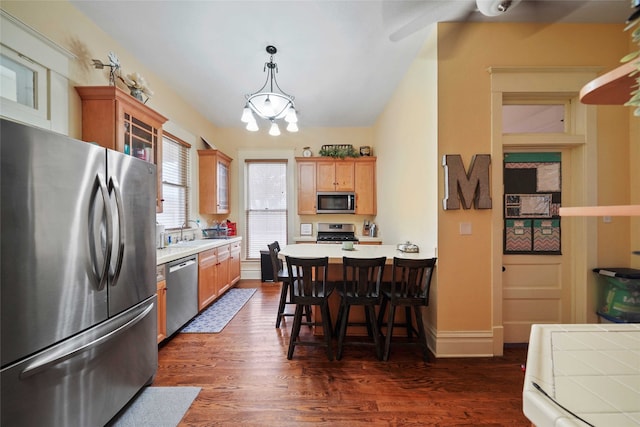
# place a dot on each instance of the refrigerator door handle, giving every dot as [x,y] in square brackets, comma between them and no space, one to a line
[115,187]
[70,350]
[102,278]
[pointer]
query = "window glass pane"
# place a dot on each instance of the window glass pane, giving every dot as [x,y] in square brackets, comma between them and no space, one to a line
[535,118]
[266,214]
[17,82]
[175,184]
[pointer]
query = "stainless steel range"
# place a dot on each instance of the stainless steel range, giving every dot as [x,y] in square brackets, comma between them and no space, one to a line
[336,233]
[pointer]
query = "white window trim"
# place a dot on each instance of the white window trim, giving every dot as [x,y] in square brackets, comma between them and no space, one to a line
[28,42]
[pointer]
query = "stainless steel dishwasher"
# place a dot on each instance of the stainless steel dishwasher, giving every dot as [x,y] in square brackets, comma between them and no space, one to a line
[182,292]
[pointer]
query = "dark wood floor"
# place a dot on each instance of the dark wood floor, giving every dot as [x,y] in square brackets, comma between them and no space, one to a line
[247,380]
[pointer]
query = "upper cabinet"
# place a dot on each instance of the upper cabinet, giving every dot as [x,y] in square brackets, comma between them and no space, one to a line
[114,119]
[365,186]
[213,168]
[324,174]
[335,175]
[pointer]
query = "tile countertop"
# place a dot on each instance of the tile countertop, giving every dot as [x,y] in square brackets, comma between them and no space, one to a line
[182,249]
[592,370]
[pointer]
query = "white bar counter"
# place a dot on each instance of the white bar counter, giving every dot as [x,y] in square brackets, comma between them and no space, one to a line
[592,370]
[335,252]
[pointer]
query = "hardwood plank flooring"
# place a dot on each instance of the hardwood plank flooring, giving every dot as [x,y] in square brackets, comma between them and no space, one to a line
[247,380]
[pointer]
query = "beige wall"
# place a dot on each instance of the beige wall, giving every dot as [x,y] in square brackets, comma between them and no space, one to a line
[464,273]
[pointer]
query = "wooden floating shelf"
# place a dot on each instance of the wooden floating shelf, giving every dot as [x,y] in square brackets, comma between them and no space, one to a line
[612,88]
[626,210]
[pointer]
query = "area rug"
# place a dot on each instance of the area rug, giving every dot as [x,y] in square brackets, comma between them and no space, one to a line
[157,407]
[216,317]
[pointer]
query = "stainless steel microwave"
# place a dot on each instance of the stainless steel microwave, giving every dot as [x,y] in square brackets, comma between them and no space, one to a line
[336,202]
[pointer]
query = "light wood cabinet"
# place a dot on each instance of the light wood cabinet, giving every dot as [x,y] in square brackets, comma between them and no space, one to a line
[234,263]
[207,277]
[335,175]
[162,310]
[306,188]
[213,166]
[320,174]
[365,186]
[222,267]
[114,119]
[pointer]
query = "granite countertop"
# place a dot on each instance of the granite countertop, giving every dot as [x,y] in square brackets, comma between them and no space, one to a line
[182,249]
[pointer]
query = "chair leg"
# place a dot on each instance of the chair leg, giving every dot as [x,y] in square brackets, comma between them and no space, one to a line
[283,302]
[295,330]
[383,307]
[409,322]
[326,326]
[422,335]
[387,341]
[373,325]
[341,325]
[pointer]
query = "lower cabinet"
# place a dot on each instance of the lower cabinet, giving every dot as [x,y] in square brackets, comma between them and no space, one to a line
[162,310]
[222,266]
[207,277]
[217,272]
[234,263]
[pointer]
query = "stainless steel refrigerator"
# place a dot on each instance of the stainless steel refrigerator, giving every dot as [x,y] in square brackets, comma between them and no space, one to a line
[77,286]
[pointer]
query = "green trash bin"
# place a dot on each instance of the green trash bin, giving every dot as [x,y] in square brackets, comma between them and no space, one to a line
[620,294]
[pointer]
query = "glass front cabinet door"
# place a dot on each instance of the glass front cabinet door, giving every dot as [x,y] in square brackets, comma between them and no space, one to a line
[116,120]
[213,170]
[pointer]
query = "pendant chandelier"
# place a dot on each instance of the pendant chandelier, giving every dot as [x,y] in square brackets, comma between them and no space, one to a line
[269,104]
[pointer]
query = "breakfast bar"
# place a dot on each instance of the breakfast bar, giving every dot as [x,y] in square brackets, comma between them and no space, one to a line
[335,253]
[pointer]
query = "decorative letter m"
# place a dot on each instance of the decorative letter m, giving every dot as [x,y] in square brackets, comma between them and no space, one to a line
[466,186]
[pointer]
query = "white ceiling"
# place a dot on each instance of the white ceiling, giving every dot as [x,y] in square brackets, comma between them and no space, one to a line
[336,57]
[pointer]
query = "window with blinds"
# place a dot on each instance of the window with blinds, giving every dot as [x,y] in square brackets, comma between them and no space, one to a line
[266,205]
[175,182]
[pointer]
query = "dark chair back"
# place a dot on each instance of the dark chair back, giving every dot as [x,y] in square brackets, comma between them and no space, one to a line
[276,263]
[308,277]
[412,279]
[362,277]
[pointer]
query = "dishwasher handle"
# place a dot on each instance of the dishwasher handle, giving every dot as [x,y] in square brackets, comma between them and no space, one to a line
[182,265]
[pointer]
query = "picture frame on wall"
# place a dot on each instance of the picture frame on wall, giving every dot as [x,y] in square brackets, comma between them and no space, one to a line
[306,229]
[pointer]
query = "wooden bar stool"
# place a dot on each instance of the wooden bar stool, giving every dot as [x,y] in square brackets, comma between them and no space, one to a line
[280,274]
[409,288]
[360,287]
[308,281]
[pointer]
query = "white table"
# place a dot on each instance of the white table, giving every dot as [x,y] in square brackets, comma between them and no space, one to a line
[592,370]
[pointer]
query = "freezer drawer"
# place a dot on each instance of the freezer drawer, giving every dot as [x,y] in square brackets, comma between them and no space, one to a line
[87,379]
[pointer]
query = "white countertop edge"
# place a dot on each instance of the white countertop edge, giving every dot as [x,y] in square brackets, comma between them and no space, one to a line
[174,252]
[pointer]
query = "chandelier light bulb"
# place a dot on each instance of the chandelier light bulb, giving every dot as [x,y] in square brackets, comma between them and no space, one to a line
[247,115]
[268,107]
[274,130]
[291,116]
[252,126]
[292,127]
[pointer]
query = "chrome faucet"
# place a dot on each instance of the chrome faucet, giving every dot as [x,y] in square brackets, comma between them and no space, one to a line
[183,226]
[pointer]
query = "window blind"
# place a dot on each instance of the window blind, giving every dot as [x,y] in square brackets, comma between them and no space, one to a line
[266,214]
[175,182]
